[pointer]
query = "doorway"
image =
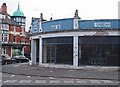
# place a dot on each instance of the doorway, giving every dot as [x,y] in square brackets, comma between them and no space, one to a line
[51,54]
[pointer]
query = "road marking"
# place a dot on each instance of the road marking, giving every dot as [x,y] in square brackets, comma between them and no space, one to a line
[81,81]
[12,76]
[95,81]
[28,76]
[106,81]
[54,81]
[77,79]
[10,81]
[71,70]
[40,81]
[51,78]
[25,81]
[68,81]
[51,71]
[16,65]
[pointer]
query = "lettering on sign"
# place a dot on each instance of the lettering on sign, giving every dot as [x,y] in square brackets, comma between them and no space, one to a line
[54,27]
[102,24]
[35,25]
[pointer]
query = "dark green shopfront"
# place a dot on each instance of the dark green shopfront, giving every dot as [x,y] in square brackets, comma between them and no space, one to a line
[93,50]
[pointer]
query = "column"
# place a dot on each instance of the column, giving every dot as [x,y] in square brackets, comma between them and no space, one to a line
[40,51]
[75,51]
[11,51]
[23,51]
[76,19]
[33,51]
[76,26]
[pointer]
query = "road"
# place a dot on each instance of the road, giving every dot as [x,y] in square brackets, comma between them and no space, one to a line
[11,79]
[23,74]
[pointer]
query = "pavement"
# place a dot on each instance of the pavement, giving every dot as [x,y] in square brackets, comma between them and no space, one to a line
[63,71]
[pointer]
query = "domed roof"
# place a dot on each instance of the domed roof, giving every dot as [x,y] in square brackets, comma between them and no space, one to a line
[18,12]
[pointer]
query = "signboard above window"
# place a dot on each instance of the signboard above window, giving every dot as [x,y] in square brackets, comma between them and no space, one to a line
[102,24]
[35,25]
[99,24]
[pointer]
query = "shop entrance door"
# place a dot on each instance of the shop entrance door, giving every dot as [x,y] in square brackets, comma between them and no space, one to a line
[51,54]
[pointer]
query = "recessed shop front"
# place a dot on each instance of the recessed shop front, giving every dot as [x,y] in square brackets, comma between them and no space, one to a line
[99,50]
[58,50]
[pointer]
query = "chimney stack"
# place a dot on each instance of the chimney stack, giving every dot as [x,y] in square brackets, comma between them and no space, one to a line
[4,8]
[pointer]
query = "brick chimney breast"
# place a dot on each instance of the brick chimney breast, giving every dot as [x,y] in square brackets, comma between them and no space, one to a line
[4,8]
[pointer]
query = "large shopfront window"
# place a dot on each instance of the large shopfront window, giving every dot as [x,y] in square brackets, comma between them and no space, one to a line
[58,50]
[99,50]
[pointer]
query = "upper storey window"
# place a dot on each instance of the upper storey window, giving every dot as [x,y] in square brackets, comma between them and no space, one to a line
[5,27]
[2,16]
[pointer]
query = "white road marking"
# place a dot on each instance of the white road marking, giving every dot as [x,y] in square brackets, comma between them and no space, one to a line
[10,81]
[95,81]
[12,76]
[16,65]
[40,81]
[51,71]
[77,79]
[81,81]
[71,70]
[54,81]
[28,76]
[106,81]
[51,78]
[68,81]
[25,81]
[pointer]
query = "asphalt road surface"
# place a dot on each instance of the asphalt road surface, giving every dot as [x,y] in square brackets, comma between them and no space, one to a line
[11,79]
[23,74]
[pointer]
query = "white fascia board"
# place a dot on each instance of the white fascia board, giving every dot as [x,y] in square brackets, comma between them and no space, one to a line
[34,37]
[14,33]
[79,33]
[114,33]
[67,34]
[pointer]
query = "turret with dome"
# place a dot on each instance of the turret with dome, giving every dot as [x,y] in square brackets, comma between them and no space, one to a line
[18,16]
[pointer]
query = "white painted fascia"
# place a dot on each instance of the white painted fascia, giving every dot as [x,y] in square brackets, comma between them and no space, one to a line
[14,33]
[79,33]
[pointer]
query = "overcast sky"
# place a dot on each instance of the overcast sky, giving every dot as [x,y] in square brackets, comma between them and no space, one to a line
[88,9]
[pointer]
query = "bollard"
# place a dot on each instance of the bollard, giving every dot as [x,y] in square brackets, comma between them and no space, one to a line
[30,62]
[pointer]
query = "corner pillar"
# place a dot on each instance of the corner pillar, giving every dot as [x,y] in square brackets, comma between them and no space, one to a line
[75,51]
[40,51]
[23,51]
[33,51]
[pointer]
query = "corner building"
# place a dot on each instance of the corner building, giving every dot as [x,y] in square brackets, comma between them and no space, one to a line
[13,32]
[74,41]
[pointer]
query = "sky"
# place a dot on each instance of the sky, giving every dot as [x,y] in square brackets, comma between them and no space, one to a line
[59,9]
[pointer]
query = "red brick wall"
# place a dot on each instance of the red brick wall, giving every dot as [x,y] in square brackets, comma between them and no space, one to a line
[27,50]
[11,28]
[18,29]
[4,8]
[11,38]
[9,51]
[17,38]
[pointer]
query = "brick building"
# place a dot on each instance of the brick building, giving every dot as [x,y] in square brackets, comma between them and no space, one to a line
[14,39]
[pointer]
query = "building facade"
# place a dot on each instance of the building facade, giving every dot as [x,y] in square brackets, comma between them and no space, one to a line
[13,32]
[74,41]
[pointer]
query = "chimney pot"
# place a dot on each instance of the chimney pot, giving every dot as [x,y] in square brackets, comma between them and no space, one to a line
[4,8]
